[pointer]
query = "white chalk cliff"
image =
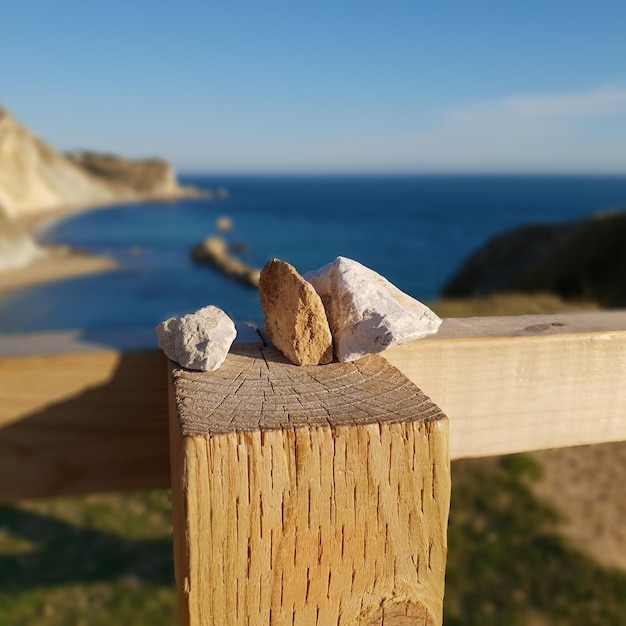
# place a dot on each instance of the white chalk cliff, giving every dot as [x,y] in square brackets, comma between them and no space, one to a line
[17,248]
[35,178]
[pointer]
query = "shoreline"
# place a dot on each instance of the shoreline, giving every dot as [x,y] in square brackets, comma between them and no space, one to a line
[34,222]
[58,263]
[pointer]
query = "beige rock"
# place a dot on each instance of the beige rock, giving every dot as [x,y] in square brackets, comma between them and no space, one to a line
[224,224]
[295,319]
[142,176]
[214,251]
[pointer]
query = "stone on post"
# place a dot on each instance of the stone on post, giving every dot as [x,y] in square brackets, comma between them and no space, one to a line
[366,313]
[295,319]
[307,495]
[198,341]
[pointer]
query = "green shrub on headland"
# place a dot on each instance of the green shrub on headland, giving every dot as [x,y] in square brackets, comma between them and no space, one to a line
[579,262]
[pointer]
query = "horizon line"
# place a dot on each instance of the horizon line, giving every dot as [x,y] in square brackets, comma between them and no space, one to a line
[398,174]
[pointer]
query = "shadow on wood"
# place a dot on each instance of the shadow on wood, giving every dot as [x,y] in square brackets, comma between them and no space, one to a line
[112,437]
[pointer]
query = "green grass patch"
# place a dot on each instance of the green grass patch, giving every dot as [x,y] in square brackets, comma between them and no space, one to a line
[103,560]
[93,560]
[507,564]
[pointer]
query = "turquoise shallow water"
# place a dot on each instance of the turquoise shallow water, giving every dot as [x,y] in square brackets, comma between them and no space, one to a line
[413,230]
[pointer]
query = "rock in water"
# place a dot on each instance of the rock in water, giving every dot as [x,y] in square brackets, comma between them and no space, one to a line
[295,319]
[214,251]
[366,313]
[198,341]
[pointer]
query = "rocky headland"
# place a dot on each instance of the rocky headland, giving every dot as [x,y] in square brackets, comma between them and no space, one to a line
[579,262]
[38,181]
[146,178]
[35,178]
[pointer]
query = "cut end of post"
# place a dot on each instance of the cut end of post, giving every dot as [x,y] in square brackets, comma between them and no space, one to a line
[258,389]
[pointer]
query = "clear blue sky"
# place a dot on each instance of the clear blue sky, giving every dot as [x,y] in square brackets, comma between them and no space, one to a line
[324,86]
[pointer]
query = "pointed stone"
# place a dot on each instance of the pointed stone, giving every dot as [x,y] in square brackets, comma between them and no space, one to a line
[198,341]
[366,313]
[295,319]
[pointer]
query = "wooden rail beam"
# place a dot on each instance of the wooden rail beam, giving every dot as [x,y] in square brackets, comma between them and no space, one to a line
[82,422]
[307,495]
[523,383]
[80,414]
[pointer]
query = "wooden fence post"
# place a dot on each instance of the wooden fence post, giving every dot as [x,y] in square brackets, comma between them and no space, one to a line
[307,495]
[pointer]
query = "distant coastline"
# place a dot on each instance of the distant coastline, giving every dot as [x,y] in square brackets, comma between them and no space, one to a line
[35,177]
[63,262]
[57,264]
[40,186]
[417,232]
[34,222]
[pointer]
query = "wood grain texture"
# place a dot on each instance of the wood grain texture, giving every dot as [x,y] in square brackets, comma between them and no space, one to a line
[307,495]
[77,417]
[81,423]
[522,383]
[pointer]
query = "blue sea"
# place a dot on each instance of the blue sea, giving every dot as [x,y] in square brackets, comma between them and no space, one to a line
[415,230]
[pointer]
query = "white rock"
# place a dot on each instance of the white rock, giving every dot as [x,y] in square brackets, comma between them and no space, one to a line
[366,313]
[198,341]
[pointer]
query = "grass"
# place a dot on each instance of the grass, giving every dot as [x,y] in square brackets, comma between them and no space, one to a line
[92,560]
[507,563]
[108,559]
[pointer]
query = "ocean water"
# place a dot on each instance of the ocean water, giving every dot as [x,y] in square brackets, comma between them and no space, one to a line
[415,230]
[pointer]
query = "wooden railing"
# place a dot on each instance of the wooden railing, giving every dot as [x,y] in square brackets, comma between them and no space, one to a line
[306,495]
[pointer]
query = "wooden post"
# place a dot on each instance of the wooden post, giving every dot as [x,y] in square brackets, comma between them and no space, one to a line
[307,495]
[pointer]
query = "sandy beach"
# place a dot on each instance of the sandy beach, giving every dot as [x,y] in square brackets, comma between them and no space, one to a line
[61,262]
[57,264]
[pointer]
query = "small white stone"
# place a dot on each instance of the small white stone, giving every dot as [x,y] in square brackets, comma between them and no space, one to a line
[198,341]
[366,313]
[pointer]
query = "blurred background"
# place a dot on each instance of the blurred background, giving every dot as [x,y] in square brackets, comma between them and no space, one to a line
[153,156]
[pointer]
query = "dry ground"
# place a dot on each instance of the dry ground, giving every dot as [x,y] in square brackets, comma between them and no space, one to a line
[587,485]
